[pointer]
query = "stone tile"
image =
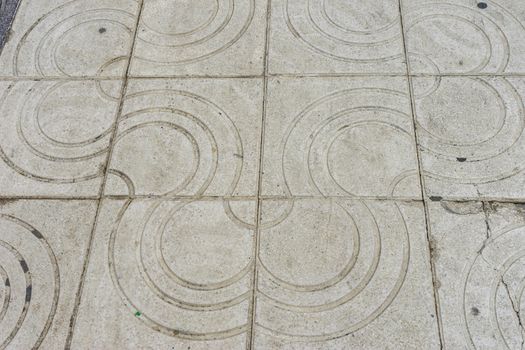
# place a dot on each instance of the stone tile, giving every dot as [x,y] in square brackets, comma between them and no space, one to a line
[169,274]
[54,136]
[200,38]
[42,251]
[340,137]
[471,136]
[480,267]
[70,38]
[336,37]
[188,137]
[457,36]
[344,274]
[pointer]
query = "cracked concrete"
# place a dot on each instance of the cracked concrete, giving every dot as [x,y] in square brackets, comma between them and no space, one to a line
[517,310]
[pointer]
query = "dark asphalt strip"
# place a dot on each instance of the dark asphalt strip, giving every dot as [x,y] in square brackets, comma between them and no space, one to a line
[7,14]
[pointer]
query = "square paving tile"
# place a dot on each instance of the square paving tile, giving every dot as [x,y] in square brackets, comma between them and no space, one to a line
[465,36]
[336,37]
[344,274]
[470,131]
[55,136]
[70,38]
[169,274]
[42,251]
[200,38]
[480,268]
[340,137]
[188,137]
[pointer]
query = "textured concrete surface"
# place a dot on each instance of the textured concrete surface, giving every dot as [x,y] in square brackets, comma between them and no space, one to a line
[277,174]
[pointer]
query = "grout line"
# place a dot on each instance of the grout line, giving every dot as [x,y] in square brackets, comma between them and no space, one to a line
[401,200]
[259,196]
[399,75]
[48,198]
[254,283]
[187,198]
[87,255]
[199,76]
[334,75]
[481,199]
[437,308]
[259,76]
[518,201]
[253,305]
[130,77]
[350,198]
[57,78]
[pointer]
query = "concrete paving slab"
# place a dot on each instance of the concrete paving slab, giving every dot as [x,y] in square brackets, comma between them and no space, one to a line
[171,274]
[336,37]
[465,36]
[480,266]
[190,137]
[200,38]
[340,137]
[344,274]
[55,136]
[61,38]
[471,136]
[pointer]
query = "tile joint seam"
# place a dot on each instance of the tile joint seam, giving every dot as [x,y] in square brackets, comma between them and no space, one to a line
[435,294]
[254,283]
[87,254]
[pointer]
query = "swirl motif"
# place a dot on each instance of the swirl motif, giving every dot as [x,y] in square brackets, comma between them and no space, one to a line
[336,137]
[338,264]
[181,272]
[165,41]
[486,44]
[373,35]
[493,318]
[77,38]
[46,138]
[189,133]
[446,110]
[27,266]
